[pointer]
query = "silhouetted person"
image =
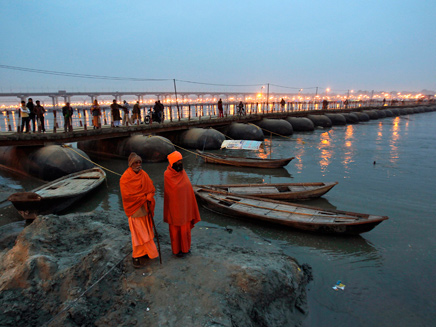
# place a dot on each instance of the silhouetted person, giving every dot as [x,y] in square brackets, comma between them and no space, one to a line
[136,113]
[24,112]
[220,109]
[241,110]
[115,111]
[282,103]
[96,114]
[126,118]
[67,111]
[31,106]
[40,111]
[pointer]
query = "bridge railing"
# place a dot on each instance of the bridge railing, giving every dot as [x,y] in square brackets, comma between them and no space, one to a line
[10,120]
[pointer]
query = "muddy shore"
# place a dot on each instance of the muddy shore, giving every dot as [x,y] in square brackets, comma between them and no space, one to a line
[75,270]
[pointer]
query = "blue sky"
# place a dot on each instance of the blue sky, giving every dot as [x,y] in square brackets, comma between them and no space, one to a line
[361,45]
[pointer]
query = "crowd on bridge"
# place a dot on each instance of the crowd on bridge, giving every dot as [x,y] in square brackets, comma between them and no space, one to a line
[32,115]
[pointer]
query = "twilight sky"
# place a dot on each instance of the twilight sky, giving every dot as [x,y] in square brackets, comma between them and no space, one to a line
[382,45]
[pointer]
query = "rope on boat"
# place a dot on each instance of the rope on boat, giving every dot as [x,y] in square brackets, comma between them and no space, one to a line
[71,148]
[266,130]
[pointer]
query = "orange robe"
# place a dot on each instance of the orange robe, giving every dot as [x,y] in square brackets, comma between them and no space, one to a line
[137,193]
[180,209]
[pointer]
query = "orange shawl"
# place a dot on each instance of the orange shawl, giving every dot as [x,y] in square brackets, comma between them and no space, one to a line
[180,205]
[136,190]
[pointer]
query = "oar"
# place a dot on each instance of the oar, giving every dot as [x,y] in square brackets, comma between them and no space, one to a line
[286,211]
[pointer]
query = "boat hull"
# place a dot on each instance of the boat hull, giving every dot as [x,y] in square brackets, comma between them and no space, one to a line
[292,215]
[243,162]
[44,200]
[279,191]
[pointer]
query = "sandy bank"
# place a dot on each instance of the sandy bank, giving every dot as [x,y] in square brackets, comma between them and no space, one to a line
[75,270]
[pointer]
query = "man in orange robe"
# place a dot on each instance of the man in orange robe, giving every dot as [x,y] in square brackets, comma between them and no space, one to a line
[137,192]
[180,206]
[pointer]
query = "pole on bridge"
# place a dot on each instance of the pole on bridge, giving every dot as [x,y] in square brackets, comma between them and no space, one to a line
[84,120]
[177,103]
[54,121]
[9,121]
[267,98]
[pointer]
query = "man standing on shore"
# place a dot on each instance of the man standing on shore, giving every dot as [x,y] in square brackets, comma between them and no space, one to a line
[137,193]
[67,111]
[180,206]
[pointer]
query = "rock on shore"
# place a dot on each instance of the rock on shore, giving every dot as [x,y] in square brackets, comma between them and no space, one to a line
[75,270]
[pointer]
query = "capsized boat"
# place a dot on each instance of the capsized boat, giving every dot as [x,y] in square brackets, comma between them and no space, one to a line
[57,195]
[292,215]
[278,191]
[243,161]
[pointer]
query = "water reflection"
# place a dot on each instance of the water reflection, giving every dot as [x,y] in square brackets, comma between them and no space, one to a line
[209,173]
[380,131]
[348,147]
[326,151]
[393,142]
[336,247]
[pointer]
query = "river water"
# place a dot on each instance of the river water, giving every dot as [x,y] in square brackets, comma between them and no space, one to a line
[384,167]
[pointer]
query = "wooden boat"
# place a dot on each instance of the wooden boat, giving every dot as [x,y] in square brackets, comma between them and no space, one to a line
[242,161]
[289,214]
[57,195]
[280,191]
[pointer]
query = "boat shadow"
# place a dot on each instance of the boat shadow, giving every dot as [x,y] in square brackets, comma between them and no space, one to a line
[355,246]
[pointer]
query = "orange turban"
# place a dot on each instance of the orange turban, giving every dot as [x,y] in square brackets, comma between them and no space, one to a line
[174,157]
[133,157]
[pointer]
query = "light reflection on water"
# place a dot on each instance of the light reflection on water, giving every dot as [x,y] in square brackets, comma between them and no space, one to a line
[389,272]
[326,151]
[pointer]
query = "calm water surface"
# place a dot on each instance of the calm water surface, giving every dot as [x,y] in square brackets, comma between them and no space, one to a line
[384,167]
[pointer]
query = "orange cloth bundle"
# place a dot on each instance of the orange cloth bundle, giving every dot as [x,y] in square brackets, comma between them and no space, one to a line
[136,190]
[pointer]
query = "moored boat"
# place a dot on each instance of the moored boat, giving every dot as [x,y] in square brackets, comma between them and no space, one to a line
[293,215]
[278,191]
[242,161]
[57,195]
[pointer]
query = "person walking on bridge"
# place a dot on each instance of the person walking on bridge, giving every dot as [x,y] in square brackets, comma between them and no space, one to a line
[67,111]
[39,111]
[136,113]
[31,106]
[220,109]
[137,193]
[115,111]
[126,119]
[24,112]
[96,114]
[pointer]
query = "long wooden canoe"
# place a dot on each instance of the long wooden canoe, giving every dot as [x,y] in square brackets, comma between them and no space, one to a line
[279,191]
[57,195]
[289,214]
[242,161]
